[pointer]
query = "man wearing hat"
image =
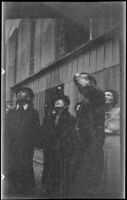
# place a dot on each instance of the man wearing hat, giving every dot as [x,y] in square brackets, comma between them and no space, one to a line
[58,149]
[21,130]
[90,127]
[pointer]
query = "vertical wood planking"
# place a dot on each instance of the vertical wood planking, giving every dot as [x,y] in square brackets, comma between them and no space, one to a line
[93,61]
[43,82]
[42,45]
[86,67]
[60,73]
[37,45]
[74,67]
[107,78]
[33,86]
[53,78]
[67,88]
[18,53]
[115,78]
[64,73]
[39,84]
[100,58]
[28,50]
[47,42]
[25,41]
[116,51]
[69,74]
[99,76]
[20,56]
[37,101]
[11,59]
[50,78]
[80,63]
[7,72]
[23,51]
[108,53]
[40,105]
[52,49]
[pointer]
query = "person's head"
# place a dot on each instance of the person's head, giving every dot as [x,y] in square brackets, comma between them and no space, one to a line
[24,94]
[84,81]
[111,97]
[62,104]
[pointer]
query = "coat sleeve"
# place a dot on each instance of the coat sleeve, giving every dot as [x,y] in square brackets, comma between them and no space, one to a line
[36,129]
[86,126]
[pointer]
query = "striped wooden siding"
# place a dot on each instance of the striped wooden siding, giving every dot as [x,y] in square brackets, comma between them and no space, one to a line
[37,46]
[102,60]
[44,46]
[23,51]
[47,42]
[11,58]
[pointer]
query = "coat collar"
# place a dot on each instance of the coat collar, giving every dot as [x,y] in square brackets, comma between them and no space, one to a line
[25,106]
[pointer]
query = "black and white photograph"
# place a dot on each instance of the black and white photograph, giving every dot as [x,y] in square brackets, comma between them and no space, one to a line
[63,100]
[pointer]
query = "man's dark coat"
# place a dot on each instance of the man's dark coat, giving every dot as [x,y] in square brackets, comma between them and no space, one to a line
[21,130]
[90,122]
[59,143]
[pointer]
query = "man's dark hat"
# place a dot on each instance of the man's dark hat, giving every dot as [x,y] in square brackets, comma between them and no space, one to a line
[29,90]
[66,99]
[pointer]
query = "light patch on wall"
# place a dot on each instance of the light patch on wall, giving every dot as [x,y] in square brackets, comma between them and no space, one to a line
[11,25]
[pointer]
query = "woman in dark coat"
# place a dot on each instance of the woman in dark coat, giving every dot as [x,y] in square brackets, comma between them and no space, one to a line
[90,126]
[58,150]
[21,130]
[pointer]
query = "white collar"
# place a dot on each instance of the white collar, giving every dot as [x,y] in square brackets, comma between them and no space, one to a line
[25,106]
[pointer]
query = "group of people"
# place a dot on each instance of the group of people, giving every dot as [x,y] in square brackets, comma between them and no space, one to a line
[74,161]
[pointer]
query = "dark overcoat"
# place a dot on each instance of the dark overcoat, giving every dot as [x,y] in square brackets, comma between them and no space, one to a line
[21,130]
[59,142]
[90,122]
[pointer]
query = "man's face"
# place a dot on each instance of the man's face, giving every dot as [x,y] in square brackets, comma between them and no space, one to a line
[59,106]
[108,98]
[23,95]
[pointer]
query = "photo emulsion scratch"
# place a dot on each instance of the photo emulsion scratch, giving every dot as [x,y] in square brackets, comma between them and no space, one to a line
[63,89]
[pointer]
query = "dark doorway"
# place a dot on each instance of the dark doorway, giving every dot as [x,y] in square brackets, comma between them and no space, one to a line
[50,97]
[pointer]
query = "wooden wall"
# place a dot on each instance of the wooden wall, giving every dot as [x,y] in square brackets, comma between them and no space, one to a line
[11,59]
[102,61]
[43,42]
[44,51]
[23,51]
